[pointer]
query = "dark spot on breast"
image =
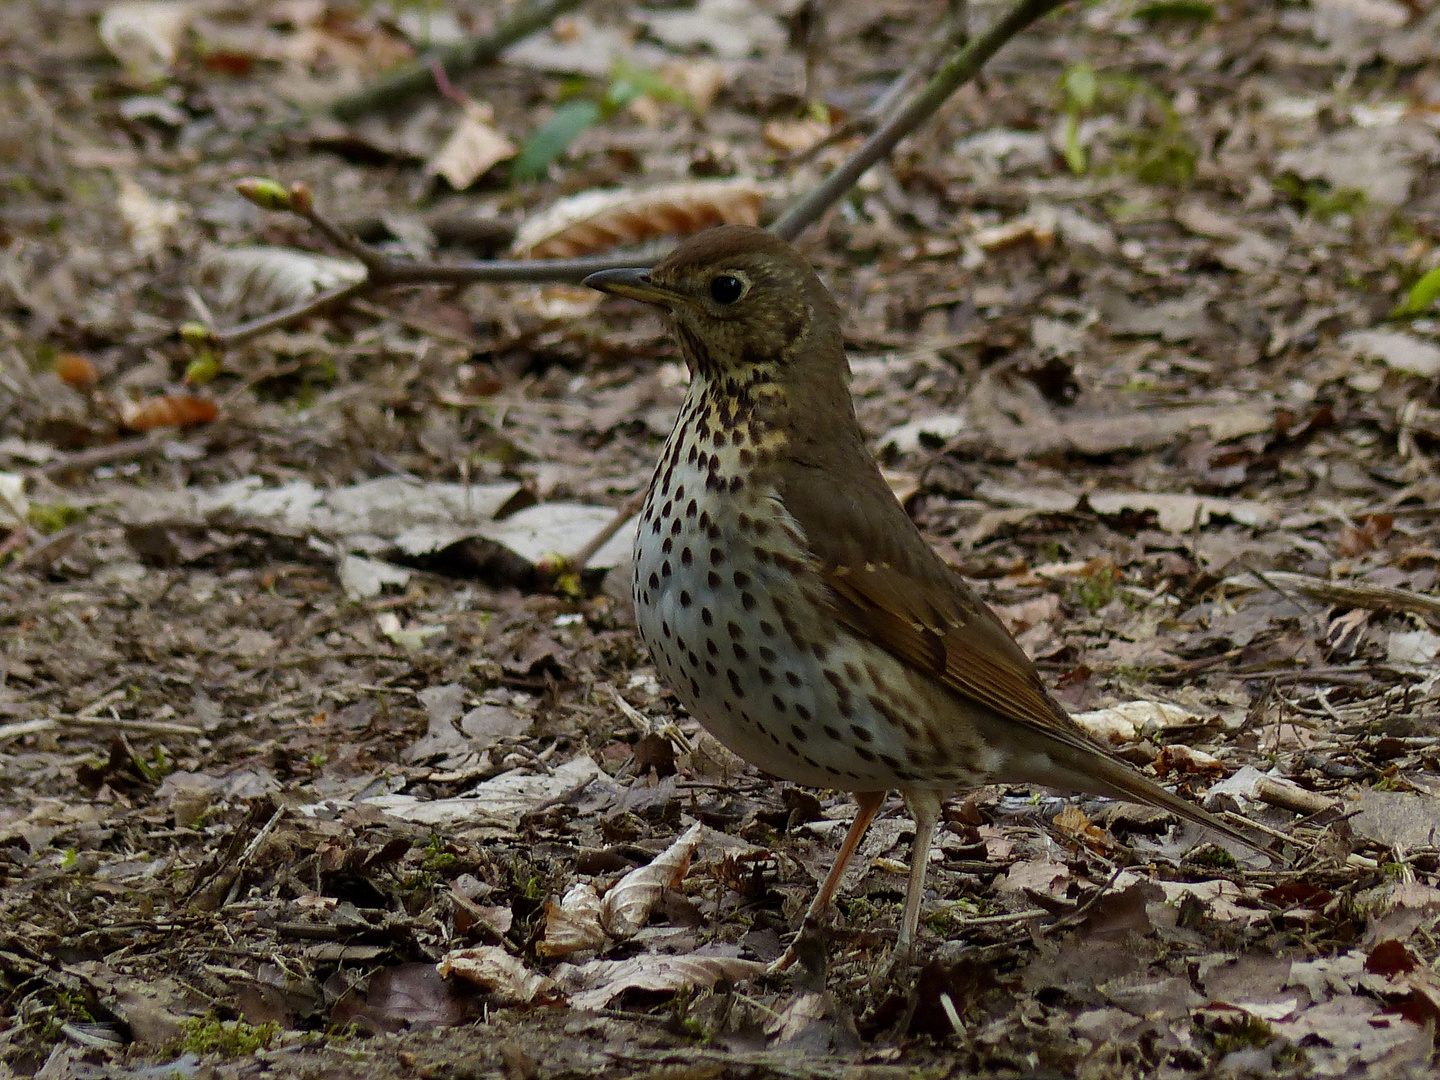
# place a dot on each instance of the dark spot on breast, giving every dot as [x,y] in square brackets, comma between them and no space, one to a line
[735,687]
[720,435]
[664,627]
[852,670]
[686,557]
[890,761]
[712,579]
[706,617]
[692,509]
[833,733]
[802,712]
[733,629]
[761,555]
[710,669]
[736,483]
[665,510]
[695,687]
[747,601]
[711,647]
[767,628]
[679,493]
[665,485]
[779,703]
[864,755]
[747,458]
[713,531]
[694,453]
[676,526]
[766,675]
[654,580]
[656,527]
[665,569]
[740,651]
[820,650]
[800,734]
[717,556]
[767,654]
[792,678]
[668,546]
[741,579]
[863,734]
[685,599]
[705,520]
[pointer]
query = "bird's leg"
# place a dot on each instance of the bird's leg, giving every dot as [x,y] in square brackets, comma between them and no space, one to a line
[867,806]
[924,807]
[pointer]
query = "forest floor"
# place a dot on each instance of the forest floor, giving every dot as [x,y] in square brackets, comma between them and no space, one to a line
[288,716]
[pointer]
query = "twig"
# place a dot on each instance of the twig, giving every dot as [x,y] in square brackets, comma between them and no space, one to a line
[1374,597]
[453,59]
[84,460]
[601,538]
[385,272]
[953,74]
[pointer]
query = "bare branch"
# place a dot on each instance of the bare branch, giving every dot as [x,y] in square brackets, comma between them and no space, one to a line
[383,271]
[454,59]
[953,74]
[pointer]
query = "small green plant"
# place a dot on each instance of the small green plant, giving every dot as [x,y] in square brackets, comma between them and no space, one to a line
[437,855]
[1156,153]
[1097,588]
[228,1038]
[584,110]
[1421,297]
[49,518]
[1317,198]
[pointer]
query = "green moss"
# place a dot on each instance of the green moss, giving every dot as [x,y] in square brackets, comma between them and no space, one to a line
[1213,856]
[48,518]
[1317,198]
[228,1038]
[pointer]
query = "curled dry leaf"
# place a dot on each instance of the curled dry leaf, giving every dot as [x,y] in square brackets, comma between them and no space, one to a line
[658,974]
[629,903]
[472,149]
[1188,761]
[259,279]
[573,925]
[582,921]
[1133,720]
[171,410]
[596,220]
[495,970]
[1072,822]
[145,35]
[74,370]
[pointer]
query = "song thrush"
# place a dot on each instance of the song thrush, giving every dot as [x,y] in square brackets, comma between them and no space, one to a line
[787,598]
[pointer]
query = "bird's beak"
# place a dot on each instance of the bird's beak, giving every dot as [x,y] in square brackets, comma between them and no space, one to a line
[633,282]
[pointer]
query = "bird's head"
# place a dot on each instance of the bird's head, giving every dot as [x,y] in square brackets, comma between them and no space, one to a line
[741,299]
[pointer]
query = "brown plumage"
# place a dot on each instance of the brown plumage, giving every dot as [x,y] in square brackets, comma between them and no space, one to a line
[788,599]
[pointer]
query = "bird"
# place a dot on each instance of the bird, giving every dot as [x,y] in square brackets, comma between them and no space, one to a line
[790,602]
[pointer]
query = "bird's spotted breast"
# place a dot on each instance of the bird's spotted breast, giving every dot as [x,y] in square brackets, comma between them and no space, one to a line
[734,614]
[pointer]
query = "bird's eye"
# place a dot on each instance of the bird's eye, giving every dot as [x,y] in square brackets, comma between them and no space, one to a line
[725,289]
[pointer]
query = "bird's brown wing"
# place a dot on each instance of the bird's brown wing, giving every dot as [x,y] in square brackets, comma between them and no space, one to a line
[888,586]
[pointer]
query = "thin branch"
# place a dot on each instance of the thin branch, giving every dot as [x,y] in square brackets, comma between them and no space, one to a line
[384,272]
[953,74]
[455,59]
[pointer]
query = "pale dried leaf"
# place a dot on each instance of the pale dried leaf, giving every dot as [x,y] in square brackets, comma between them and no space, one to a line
[1133,720]
[573,925]
[795,136]
[507,979]
[145,35]
[658,974]
[472,149]
[149,222]
[1401,351]
[260,279]
[596,220]
[629,903]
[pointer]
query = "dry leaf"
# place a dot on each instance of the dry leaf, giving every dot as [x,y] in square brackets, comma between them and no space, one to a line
[573,925]
[699,79]
[171,410]
[472,148]
[596,220]
[260,279]
[795,136]
[1133,720]
[659,974]
[504,976]
[629,903]
[74,370]
[145,36]
[148,221]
